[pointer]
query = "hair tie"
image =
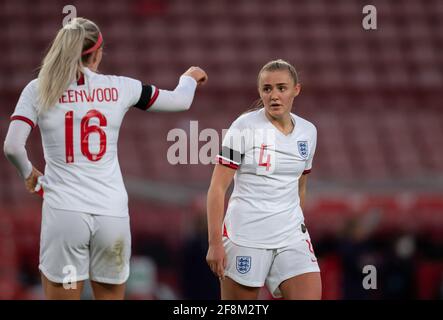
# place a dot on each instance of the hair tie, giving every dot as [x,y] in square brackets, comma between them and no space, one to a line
[95,46]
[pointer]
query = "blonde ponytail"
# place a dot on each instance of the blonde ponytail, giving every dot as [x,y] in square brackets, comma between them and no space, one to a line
[64,60]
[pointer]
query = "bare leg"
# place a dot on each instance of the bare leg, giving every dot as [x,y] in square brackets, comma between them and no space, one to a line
[306,286]
[231,290]
[105,291]
[56,291]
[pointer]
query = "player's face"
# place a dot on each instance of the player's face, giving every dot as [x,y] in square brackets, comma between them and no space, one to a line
[277,91]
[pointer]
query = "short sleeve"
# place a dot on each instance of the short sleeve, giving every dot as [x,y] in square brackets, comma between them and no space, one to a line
[131,89]
[233,146]
[26,108]
[313,146]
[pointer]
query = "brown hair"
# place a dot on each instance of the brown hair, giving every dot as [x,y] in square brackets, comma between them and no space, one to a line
[277,65]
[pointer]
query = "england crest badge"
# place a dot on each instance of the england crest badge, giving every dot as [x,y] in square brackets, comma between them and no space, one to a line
[243,264]
[303,149]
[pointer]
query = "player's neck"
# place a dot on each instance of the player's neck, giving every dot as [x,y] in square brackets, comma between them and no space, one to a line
[92,67]
[283,124]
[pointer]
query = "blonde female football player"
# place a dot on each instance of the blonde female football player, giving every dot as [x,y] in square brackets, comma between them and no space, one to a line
[85,224]
[263,239]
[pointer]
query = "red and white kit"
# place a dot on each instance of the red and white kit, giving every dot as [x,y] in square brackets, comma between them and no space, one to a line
[85,220]
[265,237]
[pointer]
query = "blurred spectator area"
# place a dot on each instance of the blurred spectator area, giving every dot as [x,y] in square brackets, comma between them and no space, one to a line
[373,95]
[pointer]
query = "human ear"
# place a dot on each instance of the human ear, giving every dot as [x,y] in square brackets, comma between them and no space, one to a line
[297,89]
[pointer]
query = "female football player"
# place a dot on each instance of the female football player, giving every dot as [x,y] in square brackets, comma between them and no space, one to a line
[262,239]
[85,223]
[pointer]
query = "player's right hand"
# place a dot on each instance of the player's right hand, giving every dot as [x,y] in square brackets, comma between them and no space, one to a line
[31,181]
[216,259]
[198,74]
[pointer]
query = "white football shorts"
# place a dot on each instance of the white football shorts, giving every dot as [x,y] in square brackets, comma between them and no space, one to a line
[75,246]
[254,267]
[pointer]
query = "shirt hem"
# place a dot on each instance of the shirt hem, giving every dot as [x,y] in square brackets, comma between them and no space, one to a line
[93,211]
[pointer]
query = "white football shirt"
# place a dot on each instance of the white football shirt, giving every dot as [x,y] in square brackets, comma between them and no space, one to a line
[264,208]
[79,137]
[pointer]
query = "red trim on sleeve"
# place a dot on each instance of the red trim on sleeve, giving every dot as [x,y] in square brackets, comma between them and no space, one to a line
[28,121]
[154,97]
[227,164]
[306,171]
[225,232]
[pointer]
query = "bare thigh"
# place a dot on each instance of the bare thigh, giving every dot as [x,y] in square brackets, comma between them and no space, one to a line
[231,290]
[56,291]
[105,291]
[306,286]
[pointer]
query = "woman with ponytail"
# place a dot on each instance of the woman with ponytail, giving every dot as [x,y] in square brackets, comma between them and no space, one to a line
[85,223]
[263,239]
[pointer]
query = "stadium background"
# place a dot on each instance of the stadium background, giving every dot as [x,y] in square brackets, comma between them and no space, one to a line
[375,193]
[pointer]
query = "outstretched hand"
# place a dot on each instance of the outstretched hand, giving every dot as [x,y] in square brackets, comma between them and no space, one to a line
[31,181]
[198,74]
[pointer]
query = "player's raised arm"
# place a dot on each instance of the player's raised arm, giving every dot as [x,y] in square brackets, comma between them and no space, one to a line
[180,99]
